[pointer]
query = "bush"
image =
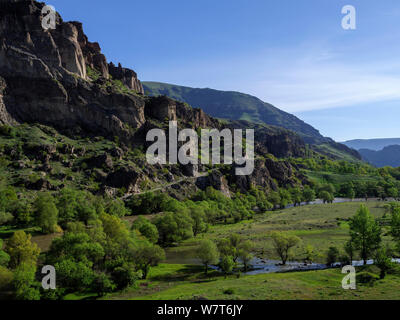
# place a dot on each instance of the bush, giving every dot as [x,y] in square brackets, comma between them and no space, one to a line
[367,278]
[229,291]
[332,256]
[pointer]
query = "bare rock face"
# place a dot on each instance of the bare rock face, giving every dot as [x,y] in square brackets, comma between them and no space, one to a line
[216,180]
[126,178]
[161,108]
[127,76]
[43,77]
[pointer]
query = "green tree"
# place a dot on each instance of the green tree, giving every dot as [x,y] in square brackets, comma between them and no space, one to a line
[245,254]
[285,198]
[297,196]
[383,261]
[24,282]
[4,257]
[349,248]
[5,217]
[308,195]
[326,197]
[46,213]
[283,243]
[117,208]
[208,253]
[275,199]
[102,284]
[309,254]
[365,233]
[199,220]
[22,250]
[148,255]
[6,278]
[146,228]
[332,256]
[174,227]
[227,264]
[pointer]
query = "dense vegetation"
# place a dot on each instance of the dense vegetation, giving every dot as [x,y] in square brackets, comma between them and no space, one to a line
[95,249]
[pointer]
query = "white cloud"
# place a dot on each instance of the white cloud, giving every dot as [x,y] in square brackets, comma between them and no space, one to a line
[319,83]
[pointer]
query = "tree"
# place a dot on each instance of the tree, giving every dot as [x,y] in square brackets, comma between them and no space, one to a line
[5,217]
[393,193]
[102,284]
[4,257]
[46,213]
[22,250]
[6,278]
[227,264]
[395,226]
[117,208]
[208,253]
[275,199]
[283,243]
[365,233]
[309,254]
[174,227]
[326,197]
[297,196]
[332,256]
[285,198]
[383,261]
[308,194]
[349,248]
[198,216]
[124,276]
[24,282]
[146,228]
[244,253]
[148,255]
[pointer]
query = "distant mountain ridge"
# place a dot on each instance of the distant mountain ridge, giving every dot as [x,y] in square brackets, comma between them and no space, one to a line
[371,144]
[235,106]
[388,156]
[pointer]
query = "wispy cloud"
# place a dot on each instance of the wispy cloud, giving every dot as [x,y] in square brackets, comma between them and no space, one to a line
[321,81]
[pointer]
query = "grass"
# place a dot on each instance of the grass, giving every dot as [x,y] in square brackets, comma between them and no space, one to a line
[185,282]
[336,178]
[320,226]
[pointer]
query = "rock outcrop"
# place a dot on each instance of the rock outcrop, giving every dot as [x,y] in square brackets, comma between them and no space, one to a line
[44,73]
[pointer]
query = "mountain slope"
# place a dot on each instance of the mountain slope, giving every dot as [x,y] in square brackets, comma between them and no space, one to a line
[235,106]
[388,156]
[372,144]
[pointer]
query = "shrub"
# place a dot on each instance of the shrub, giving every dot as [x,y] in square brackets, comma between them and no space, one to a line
[367,278]
[332,256]
[229,291]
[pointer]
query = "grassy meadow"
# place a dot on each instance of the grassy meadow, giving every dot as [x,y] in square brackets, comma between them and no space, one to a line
[320,226]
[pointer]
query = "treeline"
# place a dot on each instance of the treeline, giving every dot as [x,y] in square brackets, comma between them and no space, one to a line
[102,256]
[366,241]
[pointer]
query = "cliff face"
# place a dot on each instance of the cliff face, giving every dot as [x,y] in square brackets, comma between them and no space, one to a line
[44,76]
[61,79]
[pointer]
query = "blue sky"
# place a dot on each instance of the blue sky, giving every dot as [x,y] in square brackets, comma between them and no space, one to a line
[293,54]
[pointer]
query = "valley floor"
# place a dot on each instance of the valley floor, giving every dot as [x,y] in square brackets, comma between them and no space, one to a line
[321,226]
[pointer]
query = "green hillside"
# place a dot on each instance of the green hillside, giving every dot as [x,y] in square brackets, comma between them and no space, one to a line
[234,106]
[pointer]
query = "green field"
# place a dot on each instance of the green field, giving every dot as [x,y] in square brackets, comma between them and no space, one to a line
[321,226]
[185,282]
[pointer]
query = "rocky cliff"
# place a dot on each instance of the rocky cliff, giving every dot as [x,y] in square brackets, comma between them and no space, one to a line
[60,79]
[44,76]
